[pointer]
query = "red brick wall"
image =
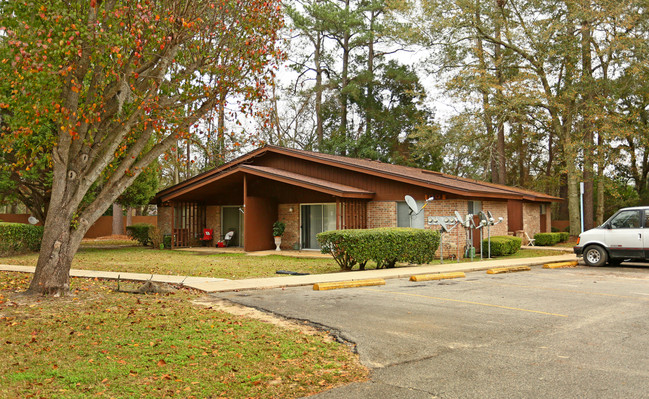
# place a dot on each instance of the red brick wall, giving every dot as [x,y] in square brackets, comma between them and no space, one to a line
[531,219]
[381,214]
[213,221]
[497,209]
[454,241]
[164,219]
[291,236]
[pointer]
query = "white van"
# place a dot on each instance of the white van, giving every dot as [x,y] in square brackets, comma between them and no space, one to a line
[625,236]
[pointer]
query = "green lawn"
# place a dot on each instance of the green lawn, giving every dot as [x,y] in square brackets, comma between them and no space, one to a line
[100,343]
[147,260]
[230,265]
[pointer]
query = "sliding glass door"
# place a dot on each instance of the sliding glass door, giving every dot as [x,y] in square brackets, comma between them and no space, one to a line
[316,218]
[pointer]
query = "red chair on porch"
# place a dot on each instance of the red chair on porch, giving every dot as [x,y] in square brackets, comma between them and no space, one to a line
[208,235]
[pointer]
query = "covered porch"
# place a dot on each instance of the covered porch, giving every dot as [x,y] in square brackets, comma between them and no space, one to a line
[248,199]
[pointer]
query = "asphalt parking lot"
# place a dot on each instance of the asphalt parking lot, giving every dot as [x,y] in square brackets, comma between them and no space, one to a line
[570,333]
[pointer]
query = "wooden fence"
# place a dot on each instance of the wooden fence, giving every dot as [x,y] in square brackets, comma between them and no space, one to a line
[101,228]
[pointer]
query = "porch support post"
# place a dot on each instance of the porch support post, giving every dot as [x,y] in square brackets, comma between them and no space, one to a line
[338,213]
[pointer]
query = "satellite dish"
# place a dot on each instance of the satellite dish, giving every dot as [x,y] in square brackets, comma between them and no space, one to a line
[459,218]
[412,204]
[32,220]
[445,228]
[483,217]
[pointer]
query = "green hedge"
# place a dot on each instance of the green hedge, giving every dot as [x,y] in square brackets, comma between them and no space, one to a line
[18,237]
[564,236]
[385,246]
[140,232]
[547,239]
[502,245]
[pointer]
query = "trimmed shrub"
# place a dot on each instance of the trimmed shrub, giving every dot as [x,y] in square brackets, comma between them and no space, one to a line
[554,229]
[502,245]
[18,237]
[156,237]
[564,236]
[546,239]
[140,232]
[385,246]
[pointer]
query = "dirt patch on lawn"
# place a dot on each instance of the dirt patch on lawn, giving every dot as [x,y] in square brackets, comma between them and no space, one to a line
[240,310]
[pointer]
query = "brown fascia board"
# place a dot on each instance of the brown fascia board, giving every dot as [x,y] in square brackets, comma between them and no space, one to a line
[293,181]
[405,179]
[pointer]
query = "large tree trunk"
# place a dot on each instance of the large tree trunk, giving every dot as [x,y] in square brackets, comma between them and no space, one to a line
[572,182]
[344,82]
[486,107]
[59,244]
[587,79]
[500,146]
[599,215]
[318,90]
[118,221]
[129,216]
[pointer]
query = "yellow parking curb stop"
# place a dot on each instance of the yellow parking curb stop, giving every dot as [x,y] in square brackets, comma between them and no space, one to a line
[348,284]
[438,276]
[559,265]
[499,270]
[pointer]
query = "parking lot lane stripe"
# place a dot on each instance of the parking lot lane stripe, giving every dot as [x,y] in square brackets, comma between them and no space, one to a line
[467,302]
[571,291]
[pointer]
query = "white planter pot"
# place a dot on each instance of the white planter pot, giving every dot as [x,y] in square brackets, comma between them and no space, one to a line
[278,242]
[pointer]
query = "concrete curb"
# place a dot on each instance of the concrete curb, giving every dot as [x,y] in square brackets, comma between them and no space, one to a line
[512,269]
[348,284]
[438,276]
[559,265]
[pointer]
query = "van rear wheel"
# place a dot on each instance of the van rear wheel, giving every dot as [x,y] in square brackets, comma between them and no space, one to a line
[595,256]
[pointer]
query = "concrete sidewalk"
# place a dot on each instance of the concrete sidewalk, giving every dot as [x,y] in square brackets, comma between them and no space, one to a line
[157,278]
[208,284]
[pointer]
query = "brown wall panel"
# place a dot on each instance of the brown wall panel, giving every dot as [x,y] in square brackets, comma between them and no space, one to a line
[284,193]
[514,215]
[259,217]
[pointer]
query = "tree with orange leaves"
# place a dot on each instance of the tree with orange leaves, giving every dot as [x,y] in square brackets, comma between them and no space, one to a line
[112,77]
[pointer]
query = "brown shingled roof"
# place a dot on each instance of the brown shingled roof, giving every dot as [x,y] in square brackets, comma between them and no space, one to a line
[436,180]
[422,175]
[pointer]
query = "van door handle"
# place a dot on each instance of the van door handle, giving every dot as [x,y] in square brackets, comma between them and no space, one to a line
[639,236]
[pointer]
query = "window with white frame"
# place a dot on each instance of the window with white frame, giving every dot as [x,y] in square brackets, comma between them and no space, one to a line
[405,217]
[474,207]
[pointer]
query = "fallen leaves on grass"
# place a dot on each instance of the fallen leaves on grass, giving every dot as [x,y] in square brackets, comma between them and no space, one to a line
[118,345]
